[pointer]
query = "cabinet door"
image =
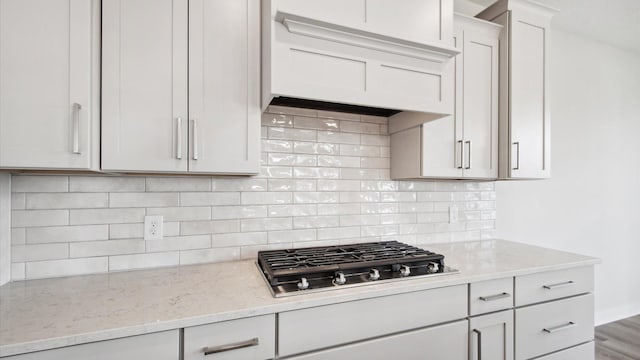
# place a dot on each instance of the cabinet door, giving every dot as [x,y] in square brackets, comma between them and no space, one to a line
[46,78]
[440,342]
[491,336]
[480,105]
[224,86]
[144,87]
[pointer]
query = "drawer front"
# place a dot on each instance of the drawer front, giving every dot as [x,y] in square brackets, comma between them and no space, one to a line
[544,328]
[551,285]
[492,295]
[161,346]
[581,352]
[250,338]
[439,342]
[324,326]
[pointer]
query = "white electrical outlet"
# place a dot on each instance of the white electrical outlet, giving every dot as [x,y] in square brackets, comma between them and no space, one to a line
[153,227]
[453,214]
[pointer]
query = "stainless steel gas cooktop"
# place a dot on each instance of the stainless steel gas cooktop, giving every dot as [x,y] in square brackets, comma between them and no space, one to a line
[299,271]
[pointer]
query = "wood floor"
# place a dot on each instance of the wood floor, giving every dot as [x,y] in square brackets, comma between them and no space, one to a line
[619,340]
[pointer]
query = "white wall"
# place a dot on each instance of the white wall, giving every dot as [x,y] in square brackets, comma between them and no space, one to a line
[5,228]
[590,205]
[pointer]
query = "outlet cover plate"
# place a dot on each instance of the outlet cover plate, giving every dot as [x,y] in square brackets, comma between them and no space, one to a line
[153,227]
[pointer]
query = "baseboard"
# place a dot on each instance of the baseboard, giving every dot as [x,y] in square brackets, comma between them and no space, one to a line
[617,313]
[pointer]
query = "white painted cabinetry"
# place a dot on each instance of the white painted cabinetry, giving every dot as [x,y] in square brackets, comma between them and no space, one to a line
[49,84]
[464,145]
[491,336]
[524,87]
[180,89]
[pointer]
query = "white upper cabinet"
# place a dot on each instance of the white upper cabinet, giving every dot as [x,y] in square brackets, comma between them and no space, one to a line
[377,53]
[524,88]
[49,83]
[464,145]
[181,86]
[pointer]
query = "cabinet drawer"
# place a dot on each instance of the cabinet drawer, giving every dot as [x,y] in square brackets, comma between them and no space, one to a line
[161,346]
[551,285]
[582,352]
[250,338]
[553,326]
[439,342]
[492,295]
[324,326]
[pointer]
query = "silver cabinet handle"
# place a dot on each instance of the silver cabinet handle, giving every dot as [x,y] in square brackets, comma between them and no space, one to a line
[179,141]
[75,147]
[461,154]
[495,297]
[558,285]
[566,326]
[468,142]
[194,128]
[229,347]
[479,333]
[517,144]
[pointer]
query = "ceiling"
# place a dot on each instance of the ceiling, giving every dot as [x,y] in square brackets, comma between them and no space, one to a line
[616,22]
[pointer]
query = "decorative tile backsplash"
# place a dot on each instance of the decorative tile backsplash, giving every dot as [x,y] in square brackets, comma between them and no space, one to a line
[324,180]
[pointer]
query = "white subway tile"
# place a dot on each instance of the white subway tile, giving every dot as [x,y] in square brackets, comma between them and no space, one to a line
[398,196]
[66,267]
[416,186]
[18,201]
[380,230]
[313,172]
[385,152]
[438,217]
[18,236]
[338,209]
[379,208]
[188,257]
[291,134]
[446,227]
[332,242]
[292,185]
[397,219]
[480,205]
[66,234]
[282,146]
[481,225]
[488,215]
[66,200]
[265,198]
[374,119]
[356,174]
[338,137]
[302,147]
[338,161]
[358,220]
[418,207]
[280,120]
[359,127]
[378,140]
[375,163]
[104,248]
[278,172]
[292,210]
[142,261]
[209,227]
[379,185]
[303,122]
[338,185]
[106,184]
[239,184]
[357,197]
[38,183]
[166,184]
[359,150]
[276,109]
[311,222]
[18,271]
[26,218]
[239,239]
[123,200]
[173,243]
[126,231]
[338,115]
[268,224]
[465,196]
[434,196]
[238,212]
[339,233]
[291,236]
[171,228]
[106,216]
[314,197]
[487,195]
[182,213]
[26,253]
[285,159]
[209,198]
[251,252]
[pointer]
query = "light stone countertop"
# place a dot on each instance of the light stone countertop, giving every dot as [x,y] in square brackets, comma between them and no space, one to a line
[49,313]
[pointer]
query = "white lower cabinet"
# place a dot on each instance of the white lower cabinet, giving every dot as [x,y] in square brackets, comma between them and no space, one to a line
[491,336]
[157,346]
[580,352]
[439,342]
[244,339]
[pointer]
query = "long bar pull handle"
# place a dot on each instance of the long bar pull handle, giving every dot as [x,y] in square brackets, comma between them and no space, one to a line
[75,147]
[461,143]
[194,128]
[179,140]
[468,142]
[495,297]
[558,285]
[229,347]
[517,144]
[479,333]
[566,326]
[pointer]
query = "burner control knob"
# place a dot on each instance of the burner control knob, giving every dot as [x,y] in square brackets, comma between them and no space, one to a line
[339,279]
[303,284]
[405,271]
[374,274]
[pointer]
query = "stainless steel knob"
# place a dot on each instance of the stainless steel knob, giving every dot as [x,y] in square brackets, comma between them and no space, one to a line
[374,274]
[339,279]
[405,271]
[303,284]
[432,268]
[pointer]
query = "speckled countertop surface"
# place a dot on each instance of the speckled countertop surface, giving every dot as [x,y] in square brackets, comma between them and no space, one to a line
[44,314]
